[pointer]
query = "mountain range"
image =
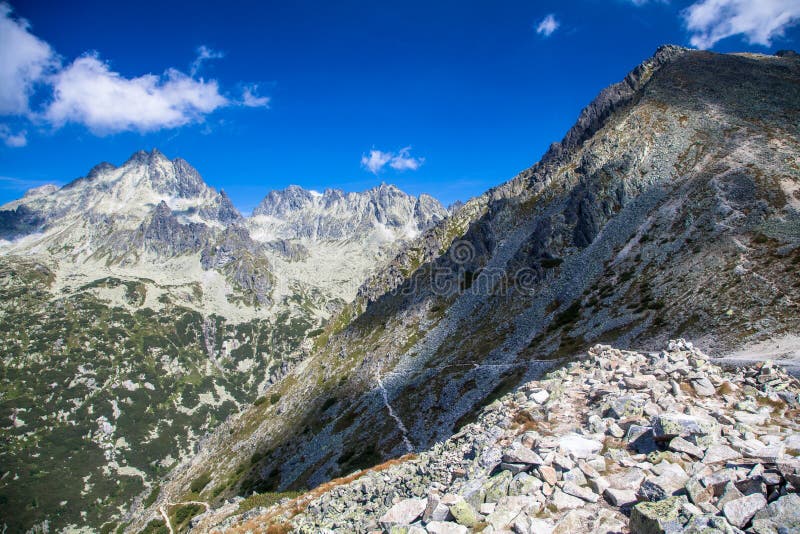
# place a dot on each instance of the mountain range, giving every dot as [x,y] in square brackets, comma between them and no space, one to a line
[670,209]
[188,367]
[140,309]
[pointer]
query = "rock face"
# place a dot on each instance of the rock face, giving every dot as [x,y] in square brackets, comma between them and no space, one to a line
[594,500]
[664,213]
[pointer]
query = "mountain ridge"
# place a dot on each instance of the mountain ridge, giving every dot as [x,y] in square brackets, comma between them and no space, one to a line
[669,218]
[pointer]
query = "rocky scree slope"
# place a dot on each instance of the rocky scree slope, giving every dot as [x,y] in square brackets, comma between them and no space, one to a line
[670,209]
[619,441]
[137,312]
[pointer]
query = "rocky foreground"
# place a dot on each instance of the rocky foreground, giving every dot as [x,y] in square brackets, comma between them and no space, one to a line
[617,442]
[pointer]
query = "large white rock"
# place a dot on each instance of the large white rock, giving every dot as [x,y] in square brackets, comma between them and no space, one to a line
[579,446]
[404,513]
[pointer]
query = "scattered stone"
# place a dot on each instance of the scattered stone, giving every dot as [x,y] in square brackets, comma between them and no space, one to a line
[629,479]
[540,396]
[705,464]
[729,493]
[625,407]
[578,446]
[698,493]
[720,453]
[570,488]
[657,517]
[404,512]
[783,514]
[698,430]
[562,501]
[678,444]
[703,387]
[464,513]
[640,438]
[548,474]
[669,482]
[521,455]
[739,512]
[620,497]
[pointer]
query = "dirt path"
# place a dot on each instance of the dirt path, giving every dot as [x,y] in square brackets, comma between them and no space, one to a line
[783,350]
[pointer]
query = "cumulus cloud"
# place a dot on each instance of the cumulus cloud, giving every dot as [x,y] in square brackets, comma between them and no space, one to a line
[204,53]
[12,139]
[402,160]
[24,60]
[547,26]
[376,160]
[89,93]
[250,98]
[760,22]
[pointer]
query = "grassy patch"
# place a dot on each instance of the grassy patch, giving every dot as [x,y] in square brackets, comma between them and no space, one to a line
[265,500]
[200,482]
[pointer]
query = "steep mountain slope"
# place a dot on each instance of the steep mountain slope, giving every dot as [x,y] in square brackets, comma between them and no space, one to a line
[137,312]
[670,209]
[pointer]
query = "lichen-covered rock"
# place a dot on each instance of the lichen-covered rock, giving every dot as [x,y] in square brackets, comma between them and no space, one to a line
[701,431]
[659,517]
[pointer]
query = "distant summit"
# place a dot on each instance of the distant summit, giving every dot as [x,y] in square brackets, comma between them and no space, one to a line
[295,212]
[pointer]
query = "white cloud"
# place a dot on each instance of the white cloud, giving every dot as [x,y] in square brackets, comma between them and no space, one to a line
[759,21]
[11,139]
[89,93]
[24,60]
[204,53]
[404,162]
[640,3]
[376,160]
[547,26]
[250,98]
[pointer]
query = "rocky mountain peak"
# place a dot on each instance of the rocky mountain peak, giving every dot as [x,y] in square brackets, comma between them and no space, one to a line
[296,212]
[610,99]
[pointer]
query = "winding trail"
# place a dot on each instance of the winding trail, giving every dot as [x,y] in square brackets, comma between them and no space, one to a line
[393,415]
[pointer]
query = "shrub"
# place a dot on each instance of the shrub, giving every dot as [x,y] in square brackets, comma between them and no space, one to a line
[200,482]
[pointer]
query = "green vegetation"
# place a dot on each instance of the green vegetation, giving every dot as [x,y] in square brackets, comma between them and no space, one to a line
[156,526]
[181,515]
[128,380]
[266,500]
[200,482]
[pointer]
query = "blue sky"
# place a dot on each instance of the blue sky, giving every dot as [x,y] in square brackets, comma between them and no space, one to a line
[444,97]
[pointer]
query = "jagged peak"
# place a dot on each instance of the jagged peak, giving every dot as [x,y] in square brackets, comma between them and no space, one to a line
[162,210]
[593,116]
[295,197]
[145,157]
